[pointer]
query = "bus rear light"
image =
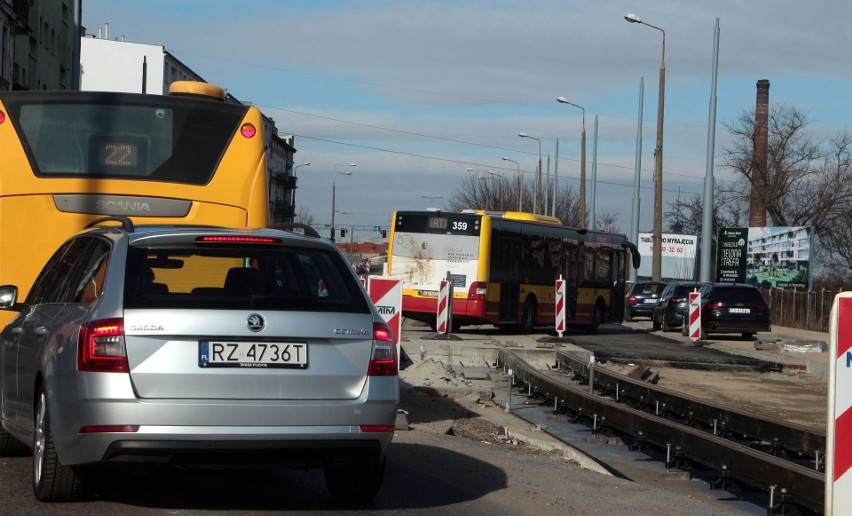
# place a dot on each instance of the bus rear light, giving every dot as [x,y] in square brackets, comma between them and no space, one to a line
[383,360]
[248,130]
[2,117]
[477,292]
[101,348]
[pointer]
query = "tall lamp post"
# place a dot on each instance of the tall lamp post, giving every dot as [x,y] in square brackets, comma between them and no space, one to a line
[656,258]
[563,100]
[518,181]
[502,180]
[333,193]
[293,195]
[537,200]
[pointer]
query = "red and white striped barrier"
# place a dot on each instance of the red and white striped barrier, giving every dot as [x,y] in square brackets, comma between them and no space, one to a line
[694,315]
[560,306]
[386,294]
[443,307]
[838,458]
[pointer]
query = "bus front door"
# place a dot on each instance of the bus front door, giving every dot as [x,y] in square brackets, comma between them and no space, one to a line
[509,267]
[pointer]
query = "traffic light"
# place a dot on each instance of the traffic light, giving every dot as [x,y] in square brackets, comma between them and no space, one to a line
[384,233]
[342,233]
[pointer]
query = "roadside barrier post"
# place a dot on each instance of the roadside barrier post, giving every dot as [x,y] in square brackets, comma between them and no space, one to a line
[444,301]
[560,306]
[386,295]
[838,438]
[694,316]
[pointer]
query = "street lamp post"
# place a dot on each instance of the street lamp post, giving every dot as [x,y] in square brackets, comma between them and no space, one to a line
[293,195]
[333,193]
[518,183]
[537,200]
[656,259]
[502,196]
[563,100]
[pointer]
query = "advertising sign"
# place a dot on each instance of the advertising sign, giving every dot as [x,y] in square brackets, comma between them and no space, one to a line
[731,254]
[770,257]
[678,255]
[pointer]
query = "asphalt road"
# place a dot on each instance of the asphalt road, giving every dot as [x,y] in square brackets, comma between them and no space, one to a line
[427,473]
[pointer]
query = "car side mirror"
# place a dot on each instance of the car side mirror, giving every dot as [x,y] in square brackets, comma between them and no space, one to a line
[9,298]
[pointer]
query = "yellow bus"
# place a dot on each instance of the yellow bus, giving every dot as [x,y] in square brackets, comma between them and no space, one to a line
[70,157]
[504,266]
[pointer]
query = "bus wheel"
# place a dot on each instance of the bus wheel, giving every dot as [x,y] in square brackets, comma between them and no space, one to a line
[530,315]
[597,318]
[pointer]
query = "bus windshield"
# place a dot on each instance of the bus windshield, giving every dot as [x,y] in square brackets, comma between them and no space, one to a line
[159,138]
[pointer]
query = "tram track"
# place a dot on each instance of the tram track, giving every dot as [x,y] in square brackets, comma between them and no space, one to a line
[775,456]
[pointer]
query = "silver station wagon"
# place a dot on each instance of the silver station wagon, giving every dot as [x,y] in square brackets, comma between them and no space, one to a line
[198,347]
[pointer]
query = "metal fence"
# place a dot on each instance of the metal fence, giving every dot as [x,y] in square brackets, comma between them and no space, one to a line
[801,309]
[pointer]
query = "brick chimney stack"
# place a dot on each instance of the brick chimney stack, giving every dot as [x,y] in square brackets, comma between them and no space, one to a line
[757,208]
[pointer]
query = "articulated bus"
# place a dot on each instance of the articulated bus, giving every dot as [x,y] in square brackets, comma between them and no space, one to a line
[504,266]
[70,157]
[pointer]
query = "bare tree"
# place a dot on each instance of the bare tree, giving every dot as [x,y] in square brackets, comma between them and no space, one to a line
[477,191]
[809,181]
[304,216]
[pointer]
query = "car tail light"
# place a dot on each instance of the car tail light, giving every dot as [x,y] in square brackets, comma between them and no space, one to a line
[101,348]
[383,360]
[377,428]
[236,239]
[109,428]
[631,300]
[764,308]
[477,291]
[713,306]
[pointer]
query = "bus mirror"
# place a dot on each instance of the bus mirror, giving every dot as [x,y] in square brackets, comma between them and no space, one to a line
[634,253]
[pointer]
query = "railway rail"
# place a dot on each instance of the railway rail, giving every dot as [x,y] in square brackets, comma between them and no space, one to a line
[777,457]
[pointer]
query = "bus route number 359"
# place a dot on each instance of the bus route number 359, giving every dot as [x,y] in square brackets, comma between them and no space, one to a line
[460,225]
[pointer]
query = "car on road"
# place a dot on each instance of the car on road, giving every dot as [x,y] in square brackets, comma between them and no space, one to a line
[196,346]
[670,307]
[641,298]
[732,308]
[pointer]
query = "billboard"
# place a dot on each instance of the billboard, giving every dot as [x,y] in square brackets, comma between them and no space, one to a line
[678,256]
[768,257]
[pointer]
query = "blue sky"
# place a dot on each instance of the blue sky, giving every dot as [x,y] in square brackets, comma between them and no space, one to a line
[416,92]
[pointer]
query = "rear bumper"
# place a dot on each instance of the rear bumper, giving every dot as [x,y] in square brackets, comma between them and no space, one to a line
[250,432]
[426,309]
[304,453]
[735,327]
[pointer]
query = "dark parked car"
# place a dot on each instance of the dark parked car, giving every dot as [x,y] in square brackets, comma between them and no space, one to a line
[669,309]
[641,299]
[733,308]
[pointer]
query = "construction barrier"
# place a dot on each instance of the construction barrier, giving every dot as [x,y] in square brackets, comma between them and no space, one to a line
[443,321]
[560,306]
[386,294]
[694,315]
[838,459]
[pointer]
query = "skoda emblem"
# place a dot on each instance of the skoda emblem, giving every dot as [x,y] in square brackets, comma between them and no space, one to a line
[255,322]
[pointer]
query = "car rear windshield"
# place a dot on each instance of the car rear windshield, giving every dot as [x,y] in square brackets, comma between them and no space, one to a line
[296,279]
[737,295]
[648,289]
